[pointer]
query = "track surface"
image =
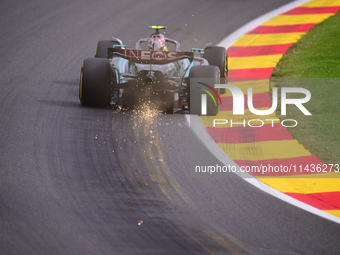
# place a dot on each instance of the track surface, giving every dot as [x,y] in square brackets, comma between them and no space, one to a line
[77,180]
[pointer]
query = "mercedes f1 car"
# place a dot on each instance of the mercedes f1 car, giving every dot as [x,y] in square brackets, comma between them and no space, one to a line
[156,71]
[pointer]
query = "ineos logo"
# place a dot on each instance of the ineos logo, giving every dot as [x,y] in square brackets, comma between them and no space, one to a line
[159,55]
[149,55]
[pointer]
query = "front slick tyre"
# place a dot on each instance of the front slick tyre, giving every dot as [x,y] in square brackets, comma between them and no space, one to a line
[102,47]
[95,83]
[217,56]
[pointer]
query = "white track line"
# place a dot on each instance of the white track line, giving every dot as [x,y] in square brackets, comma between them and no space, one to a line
[201,133]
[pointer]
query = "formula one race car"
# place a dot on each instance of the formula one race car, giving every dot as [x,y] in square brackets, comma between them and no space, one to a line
[154,71]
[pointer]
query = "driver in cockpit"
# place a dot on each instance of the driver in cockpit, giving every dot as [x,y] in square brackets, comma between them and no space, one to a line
[157,42]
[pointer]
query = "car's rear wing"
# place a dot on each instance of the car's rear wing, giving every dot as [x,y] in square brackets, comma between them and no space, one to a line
[150,56]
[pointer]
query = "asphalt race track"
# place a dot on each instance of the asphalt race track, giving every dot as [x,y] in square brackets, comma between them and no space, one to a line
[76,180]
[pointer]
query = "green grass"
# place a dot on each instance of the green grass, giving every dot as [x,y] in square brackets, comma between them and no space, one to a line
[316,57]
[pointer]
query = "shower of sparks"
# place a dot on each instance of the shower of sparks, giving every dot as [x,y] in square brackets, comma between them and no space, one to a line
[120,109]
[145,113]
[147,118]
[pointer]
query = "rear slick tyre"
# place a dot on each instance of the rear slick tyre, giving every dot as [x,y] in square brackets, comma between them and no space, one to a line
[95,83]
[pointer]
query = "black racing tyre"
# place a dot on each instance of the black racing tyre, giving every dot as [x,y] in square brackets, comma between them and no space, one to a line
[170,108]
[102,46]
[217,56]
[95,82]
[209,75]
[130,99]
[169,99]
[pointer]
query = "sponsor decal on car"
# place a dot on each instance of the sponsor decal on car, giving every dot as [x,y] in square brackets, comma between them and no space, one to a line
[151,55]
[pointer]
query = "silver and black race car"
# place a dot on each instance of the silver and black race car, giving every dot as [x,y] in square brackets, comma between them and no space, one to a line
[154,71]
